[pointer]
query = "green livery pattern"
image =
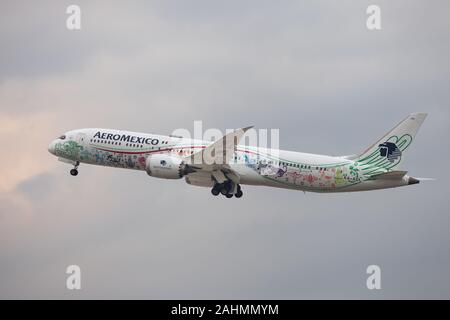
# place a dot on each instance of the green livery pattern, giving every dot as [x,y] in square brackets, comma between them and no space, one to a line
[374,163]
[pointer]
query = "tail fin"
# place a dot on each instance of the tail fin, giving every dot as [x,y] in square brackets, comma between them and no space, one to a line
[387,152]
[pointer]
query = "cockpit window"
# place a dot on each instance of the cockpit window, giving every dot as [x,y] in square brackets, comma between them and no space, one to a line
[62,137]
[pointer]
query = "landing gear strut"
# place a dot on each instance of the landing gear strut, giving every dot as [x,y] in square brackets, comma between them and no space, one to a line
[74,171]
[238,193]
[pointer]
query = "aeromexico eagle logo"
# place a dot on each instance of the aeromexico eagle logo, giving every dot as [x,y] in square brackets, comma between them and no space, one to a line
[390,151]
[388,154]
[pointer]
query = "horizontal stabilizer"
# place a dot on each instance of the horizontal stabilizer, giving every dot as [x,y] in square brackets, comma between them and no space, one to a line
[391,175]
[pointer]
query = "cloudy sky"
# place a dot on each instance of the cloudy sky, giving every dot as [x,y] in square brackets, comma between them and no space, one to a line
[309,68]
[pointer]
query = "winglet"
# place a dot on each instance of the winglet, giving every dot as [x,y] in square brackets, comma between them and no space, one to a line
[246,128]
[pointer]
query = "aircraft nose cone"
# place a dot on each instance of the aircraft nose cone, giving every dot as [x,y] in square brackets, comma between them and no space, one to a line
[51,147]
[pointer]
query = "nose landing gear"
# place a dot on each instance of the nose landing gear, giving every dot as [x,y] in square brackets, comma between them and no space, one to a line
[74,171]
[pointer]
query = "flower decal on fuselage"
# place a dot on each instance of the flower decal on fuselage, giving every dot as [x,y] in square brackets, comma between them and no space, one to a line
[68,150]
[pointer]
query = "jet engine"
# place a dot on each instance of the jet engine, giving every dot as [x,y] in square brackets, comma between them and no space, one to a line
[166,167]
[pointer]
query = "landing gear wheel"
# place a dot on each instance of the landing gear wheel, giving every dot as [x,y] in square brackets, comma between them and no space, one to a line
[224,191]
[226,188]
[215,191]
[229,195]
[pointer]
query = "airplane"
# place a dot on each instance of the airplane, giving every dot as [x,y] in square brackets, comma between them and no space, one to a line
[230,165]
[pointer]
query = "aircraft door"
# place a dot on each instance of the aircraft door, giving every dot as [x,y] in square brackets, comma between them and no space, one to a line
[81,138]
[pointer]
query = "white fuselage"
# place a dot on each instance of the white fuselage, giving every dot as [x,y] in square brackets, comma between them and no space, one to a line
[254,166]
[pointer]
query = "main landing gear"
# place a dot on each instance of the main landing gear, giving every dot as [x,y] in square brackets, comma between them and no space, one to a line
[74,171]
[227,188]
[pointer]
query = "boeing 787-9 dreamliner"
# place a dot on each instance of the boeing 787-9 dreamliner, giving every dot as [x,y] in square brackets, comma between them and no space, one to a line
[224,165]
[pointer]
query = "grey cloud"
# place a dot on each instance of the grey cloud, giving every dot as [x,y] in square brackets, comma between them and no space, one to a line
[38,187]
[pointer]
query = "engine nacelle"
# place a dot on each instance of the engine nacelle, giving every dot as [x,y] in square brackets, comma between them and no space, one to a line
[165,166]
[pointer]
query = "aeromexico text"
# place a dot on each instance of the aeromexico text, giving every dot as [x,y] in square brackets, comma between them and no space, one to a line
[126,138]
